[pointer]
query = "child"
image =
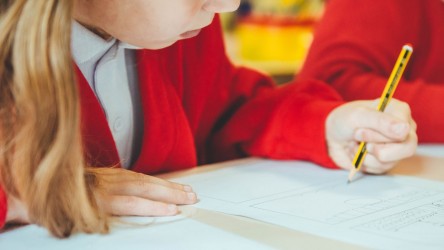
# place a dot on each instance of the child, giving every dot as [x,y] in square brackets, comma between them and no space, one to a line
[163,108]
[356,46]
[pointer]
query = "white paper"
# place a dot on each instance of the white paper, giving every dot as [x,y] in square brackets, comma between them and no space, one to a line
[189,230]
[383,212]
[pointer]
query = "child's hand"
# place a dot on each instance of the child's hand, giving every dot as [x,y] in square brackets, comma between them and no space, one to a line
[390,135]
[124,192]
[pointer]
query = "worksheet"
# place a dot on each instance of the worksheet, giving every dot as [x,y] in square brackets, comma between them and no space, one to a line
[192,229]
[383,212]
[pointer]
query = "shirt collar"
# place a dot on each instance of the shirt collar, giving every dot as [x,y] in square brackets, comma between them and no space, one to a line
[86,45]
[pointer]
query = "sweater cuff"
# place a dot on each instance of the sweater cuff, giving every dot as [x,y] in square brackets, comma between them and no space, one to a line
[3,208]
[323,158]
[310,139]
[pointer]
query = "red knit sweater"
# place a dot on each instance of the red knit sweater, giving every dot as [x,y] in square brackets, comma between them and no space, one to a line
[198,108]
[357,43]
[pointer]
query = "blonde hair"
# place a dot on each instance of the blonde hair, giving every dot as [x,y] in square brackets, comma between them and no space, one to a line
[41,155]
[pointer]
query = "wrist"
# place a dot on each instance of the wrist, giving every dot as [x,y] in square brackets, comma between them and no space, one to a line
[17,212]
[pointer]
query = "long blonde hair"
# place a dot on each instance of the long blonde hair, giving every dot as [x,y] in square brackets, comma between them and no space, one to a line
[41,155]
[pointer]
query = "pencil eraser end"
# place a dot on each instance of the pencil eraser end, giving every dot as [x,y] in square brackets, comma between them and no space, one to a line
[408,46]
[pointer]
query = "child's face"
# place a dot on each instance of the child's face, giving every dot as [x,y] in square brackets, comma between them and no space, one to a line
[151,24]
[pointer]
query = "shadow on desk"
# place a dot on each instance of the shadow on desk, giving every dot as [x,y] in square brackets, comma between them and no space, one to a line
[427,167]
[276,237]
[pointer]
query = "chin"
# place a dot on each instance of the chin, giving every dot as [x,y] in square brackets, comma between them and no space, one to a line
[158,45]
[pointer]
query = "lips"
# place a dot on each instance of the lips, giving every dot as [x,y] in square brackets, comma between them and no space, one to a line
[190,34]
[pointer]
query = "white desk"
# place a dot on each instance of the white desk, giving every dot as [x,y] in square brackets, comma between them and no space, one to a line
[206,229]
[434,150]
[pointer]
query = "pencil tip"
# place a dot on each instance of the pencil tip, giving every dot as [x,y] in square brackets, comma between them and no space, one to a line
[350,175]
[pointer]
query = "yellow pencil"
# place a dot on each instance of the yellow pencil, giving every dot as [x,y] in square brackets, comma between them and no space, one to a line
[387,94]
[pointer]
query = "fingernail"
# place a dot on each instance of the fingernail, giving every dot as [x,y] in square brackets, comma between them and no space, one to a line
[399,128]
[187,188]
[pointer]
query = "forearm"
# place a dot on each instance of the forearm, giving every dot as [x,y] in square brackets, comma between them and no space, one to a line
[283,123]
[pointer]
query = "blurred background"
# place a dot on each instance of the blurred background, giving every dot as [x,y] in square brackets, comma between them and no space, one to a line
[272,36]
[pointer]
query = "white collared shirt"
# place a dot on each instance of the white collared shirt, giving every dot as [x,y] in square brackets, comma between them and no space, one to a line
[109,66]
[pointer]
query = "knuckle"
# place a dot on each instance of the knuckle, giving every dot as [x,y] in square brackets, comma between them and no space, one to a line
[405,107]
[141,184]
[144,187]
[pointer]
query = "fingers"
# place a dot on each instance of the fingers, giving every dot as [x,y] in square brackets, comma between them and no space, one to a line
[125,182]
[116,175]
[156,192]
[368,135]
[390,135]
[394,151]
[124,192]
[359,120]
[380,158]
[383,157]
[372,165]
[342,155]
[165,183]
[393,124]
[371,123]
[135,206]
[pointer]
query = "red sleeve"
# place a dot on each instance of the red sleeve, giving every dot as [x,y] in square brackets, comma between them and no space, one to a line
[282,123]
[3,208]
[252,116]
[356,46]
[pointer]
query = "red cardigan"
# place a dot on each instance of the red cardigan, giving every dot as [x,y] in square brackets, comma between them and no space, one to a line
[198,108]
[357,43]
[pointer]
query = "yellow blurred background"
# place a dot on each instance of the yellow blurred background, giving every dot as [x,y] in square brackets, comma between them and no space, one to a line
[272,36]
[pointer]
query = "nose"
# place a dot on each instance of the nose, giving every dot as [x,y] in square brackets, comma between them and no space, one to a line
[220,6]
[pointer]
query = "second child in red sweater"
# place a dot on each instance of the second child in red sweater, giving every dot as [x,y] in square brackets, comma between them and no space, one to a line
[356,45]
